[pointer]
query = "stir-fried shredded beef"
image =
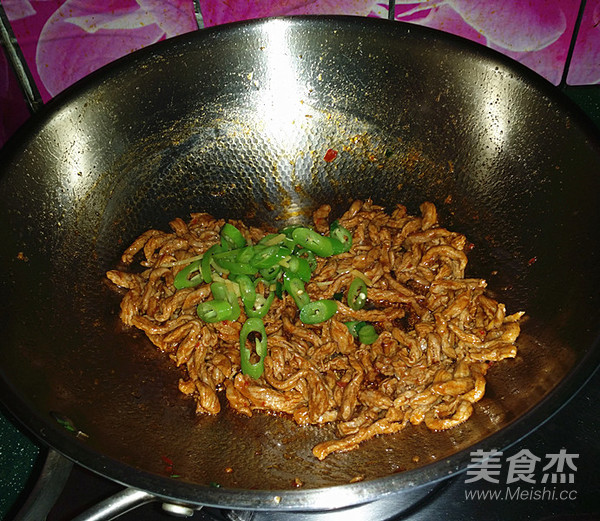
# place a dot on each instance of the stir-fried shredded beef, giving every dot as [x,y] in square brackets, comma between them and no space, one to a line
[438,331]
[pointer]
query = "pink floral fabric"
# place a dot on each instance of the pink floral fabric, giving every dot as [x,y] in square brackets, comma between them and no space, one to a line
[218,12]
[585,64]
[64,40]
[536,33]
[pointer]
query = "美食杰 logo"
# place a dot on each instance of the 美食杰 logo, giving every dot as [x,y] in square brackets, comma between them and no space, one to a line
[526,476]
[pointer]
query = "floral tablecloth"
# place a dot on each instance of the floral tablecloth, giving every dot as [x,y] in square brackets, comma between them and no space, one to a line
[64,40]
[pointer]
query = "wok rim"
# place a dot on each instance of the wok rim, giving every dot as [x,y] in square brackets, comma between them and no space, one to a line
[323,498]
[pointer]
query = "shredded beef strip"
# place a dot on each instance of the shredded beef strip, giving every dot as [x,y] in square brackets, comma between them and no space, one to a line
[438,331]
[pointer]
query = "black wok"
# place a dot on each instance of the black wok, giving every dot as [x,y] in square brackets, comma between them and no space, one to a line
[235,121]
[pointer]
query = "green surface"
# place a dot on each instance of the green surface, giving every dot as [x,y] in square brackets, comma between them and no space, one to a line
[18,456]
[588,98]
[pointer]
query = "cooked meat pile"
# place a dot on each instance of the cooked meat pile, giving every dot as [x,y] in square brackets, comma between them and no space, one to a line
[438,331]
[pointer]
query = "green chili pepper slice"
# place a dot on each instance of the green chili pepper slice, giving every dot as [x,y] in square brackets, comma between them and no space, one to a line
[340,234]
[318,311]
[221,292]
[215,311]
[183,279]
[279,289]
[206,260]
[367,334]
[287,240]
[247,290]
[227,255]
[231,237]
[295,287]
[273,239]
[300,268]
[338,247]
[253,325]
[354,326]
[271,273]
[289,230]
[313,241]
[261,306]
[236,268]
[289,243]
[245,255]
[269,256]
[310,257]
[357,293]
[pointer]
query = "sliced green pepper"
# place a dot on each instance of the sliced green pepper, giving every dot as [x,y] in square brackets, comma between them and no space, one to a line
[183,279]
[341,237]
[295,287]
[215,311]
[313,241]
[245,255]
[221,292]
[357,293]
[253,325]
[309,256]
[269,256]
[318,311]
[261,305]
[236,268]
[338,247]
[354,326]
[231,237]
[228,255]
[288,243]
[279,289]
[299,267]
[206,260]
[286,237]
[271,273]
[247,290]
[272,239]
[367,334]
[289,230]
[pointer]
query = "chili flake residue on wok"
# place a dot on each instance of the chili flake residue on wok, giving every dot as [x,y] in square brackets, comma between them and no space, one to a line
[431,333]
